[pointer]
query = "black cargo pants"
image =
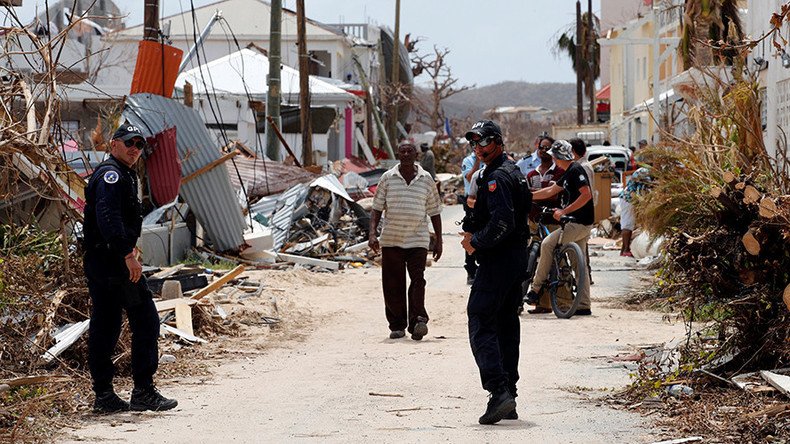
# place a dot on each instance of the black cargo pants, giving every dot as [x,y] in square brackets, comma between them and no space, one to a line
[494,326]
[110,296]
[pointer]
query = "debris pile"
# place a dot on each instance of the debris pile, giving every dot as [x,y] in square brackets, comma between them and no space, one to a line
[723,205]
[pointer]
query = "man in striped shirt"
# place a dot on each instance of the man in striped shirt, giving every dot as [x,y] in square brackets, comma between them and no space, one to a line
[406,194]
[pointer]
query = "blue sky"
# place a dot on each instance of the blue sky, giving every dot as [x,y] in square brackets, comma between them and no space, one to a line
[491,41]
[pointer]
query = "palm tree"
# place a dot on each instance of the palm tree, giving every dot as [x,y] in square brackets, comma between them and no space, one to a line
[589,57]
[708,27]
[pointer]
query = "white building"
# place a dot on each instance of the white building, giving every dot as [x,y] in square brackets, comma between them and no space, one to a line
[774,76]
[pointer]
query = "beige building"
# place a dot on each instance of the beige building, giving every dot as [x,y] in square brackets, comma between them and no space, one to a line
[639,52]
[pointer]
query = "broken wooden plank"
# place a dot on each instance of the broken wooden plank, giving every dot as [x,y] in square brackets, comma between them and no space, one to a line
[680,440]
[770,411]
[780,382]
[34,380]
[42,334]
[215,163]
[184,318]
[170,304]
[308,261]
[182,334]
[65,339]
[217,284]
[167,272]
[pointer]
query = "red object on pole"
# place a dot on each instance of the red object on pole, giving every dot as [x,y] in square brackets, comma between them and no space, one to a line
[156,69]
[163,167]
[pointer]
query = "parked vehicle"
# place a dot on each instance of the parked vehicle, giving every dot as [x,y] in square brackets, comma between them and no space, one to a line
[621,159]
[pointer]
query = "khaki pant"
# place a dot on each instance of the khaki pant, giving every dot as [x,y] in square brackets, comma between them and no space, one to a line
[572,233]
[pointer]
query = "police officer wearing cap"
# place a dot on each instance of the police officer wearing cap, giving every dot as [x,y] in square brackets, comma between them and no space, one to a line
[497,235]
[113,221]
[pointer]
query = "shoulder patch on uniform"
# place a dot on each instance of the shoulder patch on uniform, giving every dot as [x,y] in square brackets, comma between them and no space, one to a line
[582,178]
[111,176]
[492,186]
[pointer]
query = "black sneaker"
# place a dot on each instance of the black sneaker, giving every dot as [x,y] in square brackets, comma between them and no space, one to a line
[149,398]
[512,415]
[500,404]
[583,312]
[397,334]
[109,402]
[532,298]
[420,329]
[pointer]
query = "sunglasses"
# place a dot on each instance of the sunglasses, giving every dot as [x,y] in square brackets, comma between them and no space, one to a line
[482,143]
[140,144]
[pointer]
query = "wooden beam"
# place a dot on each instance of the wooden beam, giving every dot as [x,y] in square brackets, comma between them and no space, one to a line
[184,318]
[210,166]
[216,285]
[170,304]
[167,272]
[282,140]
[332,265]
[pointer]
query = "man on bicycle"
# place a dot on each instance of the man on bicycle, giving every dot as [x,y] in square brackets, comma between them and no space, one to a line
[497,236]
[577,203]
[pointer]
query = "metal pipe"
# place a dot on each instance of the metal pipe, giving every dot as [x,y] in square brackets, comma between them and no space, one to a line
[275,65]
[217,16]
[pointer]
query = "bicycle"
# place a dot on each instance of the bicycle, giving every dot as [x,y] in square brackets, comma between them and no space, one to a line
[568,270]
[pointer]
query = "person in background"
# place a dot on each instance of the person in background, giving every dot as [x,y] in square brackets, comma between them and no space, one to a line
[541,177]
[428,161]
[636,185]
[577,202]
[405,196]
[580,157]
[470,165]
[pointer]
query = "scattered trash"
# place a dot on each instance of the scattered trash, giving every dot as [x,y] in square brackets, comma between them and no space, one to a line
[678,390]
[167,359]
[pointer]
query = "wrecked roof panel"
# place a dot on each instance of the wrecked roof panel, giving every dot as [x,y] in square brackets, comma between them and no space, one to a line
[209,195]
[265,177]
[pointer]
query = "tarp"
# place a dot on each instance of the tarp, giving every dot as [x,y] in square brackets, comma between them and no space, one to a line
[245,72]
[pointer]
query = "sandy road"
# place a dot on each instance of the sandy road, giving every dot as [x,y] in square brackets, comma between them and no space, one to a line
[318,389]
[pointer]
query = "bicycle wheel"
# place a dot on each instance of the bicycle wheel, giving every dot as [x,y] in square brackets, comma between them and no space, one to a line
[570,276]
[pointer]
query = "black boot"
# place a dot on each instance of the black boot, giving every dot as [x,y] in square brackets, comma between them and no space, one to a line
[109,402]
[500,404]
[512,415]
[149,398]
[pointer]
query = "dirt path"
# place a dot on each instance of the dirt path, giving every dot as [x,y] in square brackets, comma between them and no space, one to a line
[318,389]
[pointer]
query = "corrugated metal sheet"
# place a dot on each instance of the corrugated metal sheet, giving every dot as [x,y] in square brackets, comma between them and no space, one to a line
[163,167]
[210,195]
[149,74]
[265,177]
[280,211]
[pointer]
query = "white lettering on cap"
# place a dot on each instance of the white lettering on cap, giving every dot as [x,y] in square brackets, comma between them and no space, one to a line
[477,125]
[133,128]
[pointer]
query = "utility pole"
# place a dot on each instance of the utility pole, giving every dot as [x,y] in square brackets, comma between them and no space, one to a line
[579,100]
[304,87]
[151,20]
[273,97]
[591,60]
[395,76]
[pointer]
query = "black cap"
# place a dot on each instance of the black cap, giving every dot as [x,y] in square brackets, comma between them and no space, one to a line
[643,142]
[127,131]
[484,128]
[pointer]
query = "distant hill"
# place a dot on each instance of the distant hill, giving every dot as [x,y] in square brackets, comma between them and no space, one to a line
[554,96]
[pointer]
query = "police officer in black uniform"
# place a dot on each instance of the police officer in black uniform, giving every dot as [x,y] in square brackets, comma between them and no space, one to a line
[113,221]
[498,235]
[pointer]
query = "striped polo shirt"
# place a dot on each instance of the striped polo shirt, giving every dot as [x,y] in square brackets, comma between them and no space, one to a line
[405,207]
